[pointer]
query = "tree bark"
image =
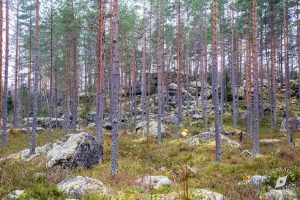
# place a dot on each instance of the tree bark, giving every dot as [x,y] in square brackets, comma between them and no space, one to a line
[5,89]
[215,94]
[273,66]
[115,82]
[1,53]
[36,77]
[17,68]
[100,72]
[255,82]
[179,67]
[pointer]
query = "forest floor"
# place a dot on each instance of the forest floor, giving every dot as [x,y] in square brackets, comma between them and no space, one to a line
[140,156]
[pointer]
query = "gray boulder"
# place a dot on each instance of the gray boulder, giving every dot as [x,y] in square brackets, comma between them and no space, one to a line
[294,124]
[79,186]
[155,182]
[75,150]
[142,128]
[205,194]
[258,180]
[280,195]
[24,154]
[207,136]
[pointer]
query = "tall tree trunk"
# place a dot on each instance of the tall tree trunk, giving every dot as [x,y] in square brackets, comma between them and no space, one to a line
[149,73]
[17,68]
[36,77]
[29,73]
[273,66]
[298,50]
[248,85]
[287,73]
[204,80]
[133,88]
[100,72]
[222,81]
[144,67]
[255,82]
[261,71]
[160,70]
[233,74]
[67,88]
[5,89]
[1,53]
[215,93]
[115,82]
[179,67]
[51,105]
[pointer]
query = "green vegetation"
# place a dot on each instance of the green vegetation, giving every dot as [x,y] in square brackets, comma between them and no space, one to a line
[140,156]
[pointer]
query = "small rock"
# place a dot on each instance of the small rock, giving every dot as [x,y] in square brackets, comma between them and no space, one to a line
[196,117]
[257,180]
[14,195]
[91,125]
[79,186]
[168,196]
[155,182]
[247,154]
[205,194]
[162,169]
[269,142]
[280,195]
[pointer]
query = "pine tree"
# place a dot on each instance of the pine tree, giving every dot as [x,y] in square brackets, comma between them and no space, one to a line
[115,82]
[160,70]
[273,66]
[5,88]
[36,77]
[215,94]
[255,82]
[16,88]
[179,67]
[1,53]
[100,71]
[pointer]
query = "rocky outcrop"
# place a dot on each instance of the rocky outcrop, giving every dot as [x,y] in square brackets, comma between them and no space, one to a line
[280,195]
[75,150]
[294,124]
[46,122]
[205,194]
[142,128]
[24,155]
[154,182]
[79,186]
[207,136]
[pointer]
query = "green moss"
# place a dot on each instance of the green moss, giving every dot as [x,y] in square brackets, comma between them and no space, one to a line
[43,193]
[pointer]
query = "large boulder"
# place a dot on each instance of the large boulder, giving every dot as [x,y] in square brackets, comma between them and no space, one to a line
[79,186]
[207,136]
[142,128]
[154,182]
[294,124]
[75,150]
